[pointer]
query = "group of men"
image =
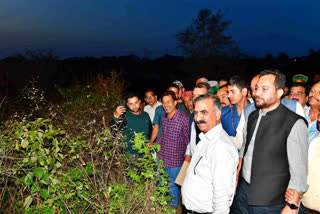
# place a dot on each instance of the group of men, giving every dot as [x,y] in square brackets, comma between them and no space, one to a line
[248,149]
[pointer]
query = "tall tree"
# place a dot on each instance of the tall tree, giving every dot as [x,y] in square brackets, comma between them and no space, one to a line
[206,36]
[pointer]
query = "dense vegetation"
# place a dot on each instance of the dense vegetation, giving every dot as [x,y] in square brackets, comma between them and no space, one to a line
[61,157]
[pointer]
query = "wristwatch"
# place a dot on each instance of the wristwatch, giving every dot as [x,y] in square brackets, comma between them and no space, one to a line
[292,206]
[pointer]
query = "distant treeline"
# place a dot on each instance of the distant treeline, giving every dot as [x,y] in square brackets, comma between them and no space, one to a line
[142,73]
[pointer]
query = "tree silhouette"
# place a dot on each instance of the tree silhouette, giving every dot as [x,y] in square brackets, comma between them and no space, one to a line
[206,36]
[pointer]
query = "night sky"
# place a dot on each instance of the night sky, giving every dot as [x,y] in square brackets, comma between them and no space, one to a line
[147,27]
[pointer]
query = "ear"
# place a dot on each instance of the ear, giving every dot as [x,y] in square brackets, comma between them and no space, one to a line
[218,115]
[279,92]
[175,102]
[156,97]
[244,92]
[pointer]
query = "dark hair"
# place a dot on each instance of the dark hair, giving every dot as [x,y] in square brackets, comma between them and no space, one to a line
[174,86]
[150,90]
[133,94]
[223,79]
[238,81]
[167,93]
[302,84]
[203,85]
[280,81]
[223,86]
[216,101]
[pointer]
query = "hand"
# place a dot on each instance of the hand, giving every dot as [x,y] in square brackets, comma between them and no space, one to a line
[287,210]
[187,158]
[149,145]
[289,195]
[119,111]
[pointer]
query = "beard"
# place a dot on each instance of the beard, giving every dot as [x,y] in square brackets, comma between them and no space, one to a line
[261,103]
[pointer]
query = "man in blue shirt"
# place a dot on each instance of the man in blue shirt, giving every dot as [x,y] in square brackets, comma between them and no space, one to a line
[237,93]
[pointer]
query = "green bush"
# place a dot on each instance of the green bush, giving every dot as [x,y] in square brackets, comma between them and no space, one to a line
[71,163]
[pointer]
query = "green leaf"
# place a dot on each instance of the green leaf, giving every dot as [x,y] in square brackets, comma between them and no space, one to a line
[35,188]
[39,173]
[26,180]
[58,164]
[46,177]
[27,202]
[44,194]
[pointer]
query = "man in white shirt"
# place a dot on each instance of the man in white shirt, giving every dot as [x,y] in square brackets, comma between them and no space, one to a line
[209,184]
[151,98]
[199,89]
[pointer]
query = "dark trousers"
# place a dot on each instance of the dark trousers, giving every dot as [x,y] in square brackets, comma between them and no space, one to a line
[240,203]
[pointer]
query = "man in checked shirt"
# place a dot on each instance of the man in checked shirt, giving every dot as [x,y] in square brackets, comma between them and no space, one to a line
[173,141]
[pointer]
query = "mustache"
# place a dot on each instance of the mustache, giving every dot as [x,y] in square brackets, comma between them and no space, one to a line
[314,98]
[200,121]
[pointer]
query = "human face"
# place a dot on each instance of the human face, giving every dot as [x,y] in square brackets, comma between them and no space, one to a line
[222,83]
[181,90]
[314,95]
[188,102]
[298,93]
[235,95]
[205,116]
[175,91]
[223,96]
[267,97]
[169,105]
[253,85]
[198,91]
[286,92]
[150,98]
[134,105]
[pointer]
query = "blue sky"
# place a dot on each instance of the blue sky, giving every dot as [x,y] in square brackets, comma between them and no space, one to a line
[119,27]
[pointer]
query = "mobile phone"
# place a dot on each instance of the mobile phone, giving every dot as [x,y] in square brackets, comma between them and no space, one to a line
[122,103]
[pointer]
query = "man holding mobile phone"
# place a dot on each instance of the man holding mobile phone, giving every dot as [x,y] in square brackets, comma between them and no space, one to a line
[132,121]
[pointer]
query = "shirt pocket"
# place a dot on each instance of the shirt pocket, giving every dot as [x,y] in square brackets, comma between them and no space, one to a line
[195,166]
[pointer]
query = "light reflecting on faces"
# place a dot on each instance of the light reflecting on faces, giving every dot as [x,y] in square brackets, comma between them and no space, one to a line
[198,91]
[266,95]
[150,98]
[175,91]
[298,93]
[223,96]
[169,104]
[314,95]
[188,102]
[205,116]
[134,104]
[234,94]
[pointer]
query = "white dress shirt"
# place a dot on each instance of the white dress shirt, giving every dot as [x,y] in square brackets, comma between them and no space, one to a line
[209,184]
[193,138]
[152,110]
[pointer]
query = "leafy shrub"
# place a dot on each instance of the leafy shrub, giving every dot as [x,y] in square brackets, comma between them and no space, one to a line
[69,162]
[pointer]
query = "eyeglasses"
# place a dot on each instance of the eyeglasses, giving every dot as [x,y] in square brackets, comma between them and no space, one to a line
[298,93]
[149,97]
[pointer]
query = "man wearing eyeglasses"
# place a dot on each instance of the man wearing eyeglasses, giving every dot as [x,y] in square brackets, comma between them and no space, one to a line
[151,98]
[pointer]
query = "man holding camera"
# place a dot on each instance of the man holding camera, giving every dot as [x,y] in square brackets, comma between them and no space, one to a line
[132,121]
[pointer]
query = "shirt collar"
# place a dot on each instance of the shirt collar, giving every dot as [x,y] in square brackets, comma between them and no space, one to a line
[210,134]
[265,113]
[174,116]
